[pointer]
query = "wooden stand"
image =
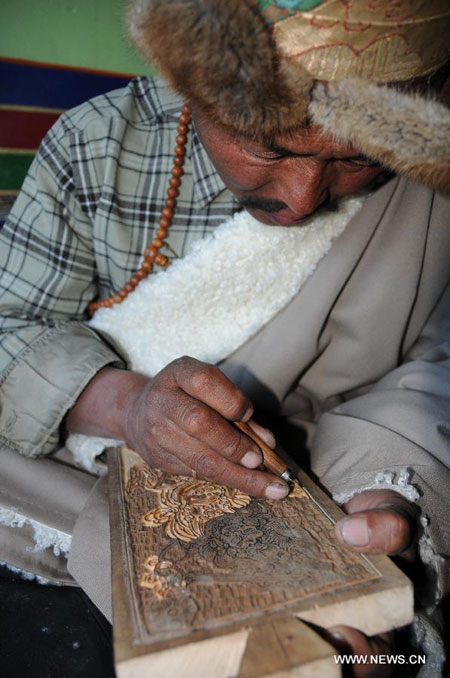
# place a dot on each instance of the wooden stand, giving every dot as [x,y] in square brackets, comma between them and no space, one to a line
[209,583]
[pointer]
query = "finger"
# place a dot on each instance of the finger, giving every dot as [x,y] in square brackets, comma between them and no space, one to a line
[390,500]
[264,433]
[375,531]
[351,641]
[209,464]
[205,425]
[209,385]
[381,499]
[165,461]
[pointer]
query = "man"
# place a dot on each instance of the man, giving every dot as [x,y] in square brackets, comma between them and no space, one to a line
[357,357]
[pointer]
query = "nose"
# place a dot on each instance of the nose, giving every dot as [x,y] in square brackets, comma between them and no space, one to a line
[304,186]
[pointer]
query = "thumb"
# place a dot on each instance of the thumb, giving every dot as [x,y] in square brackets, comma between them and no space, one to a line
[377,530]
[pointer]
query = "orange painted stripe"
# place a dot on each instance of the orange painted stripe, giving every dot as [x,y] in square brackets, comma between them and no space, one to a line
[17,151]
[31,109]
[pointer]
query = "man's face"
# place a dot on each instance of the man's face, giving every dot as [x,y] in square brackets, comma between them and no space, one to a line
[284,181]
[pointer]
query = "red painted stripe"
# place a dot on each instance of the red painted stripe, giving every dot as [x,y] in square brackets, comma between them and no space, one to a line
[62,67]
[24,129]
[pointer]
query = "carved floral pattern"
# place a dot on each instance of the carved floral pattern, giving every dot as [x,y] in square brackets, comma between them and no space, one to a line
[160,577]
[185,505]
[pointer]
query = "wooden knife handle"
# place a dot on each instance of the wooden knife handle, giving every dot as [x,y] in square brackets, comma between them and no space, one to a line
[271,460]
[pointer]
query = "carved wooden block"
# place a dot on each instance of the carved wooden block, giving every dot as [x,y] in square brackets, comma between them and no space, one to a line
[204,570]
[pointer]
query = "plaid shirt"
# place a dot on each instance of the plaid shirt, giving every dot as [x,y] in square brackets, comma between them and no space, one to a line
[88,207]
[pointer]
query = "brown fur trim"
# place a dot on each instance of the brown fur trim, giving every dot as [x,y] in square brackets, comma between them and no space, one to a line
[222,58]
[405,132]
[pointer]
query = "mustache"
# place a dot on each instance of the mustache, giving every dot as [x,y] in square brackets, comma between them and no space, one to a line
[273,206]
[264,204]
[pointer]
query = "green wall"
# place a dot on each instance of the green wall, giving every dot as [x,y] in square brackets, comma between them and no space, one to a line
[84,33]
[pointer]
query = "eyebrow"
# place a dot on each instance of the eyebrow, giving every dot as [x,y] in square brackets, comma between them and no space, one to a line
[275,148]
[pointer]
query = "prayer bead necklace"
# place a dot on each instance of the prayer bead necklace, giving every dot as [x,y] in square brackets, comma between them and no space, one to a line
[151,253]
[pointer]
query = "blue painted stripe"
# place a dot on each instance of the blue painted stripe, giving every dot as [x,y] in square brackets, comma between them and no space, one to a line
[29,85]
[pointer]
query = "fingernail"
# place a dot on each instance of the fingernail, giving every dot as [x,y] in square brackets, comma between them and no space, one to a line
[336,639]
[251,459]
[277,491]
[336,635]
[248,414]
[355,531]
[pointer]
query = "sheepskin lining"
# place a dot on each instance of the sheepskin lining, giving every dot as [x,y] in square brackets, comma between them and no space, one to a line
[223,291]
[44,536]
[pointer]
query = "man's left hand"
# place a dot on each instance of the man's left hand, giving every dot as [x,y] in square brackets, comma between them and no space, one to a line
[378,521]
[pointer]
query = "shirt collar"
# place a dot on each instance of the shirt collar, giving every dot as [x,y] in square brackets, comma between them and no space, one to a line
[159,101]
[207,183]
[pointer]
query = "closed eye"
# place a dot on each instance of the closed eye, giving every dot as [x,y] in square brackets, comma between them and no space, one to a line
[358,161]
[267,155]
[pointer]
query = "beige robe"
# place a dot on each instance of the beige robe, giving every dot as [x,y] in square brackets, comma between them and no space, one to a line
[360,359]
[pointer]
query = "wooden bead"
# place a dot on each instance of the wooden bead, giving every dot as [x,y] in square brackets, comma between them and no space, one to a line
[164,222]
[151,253]
[161,260]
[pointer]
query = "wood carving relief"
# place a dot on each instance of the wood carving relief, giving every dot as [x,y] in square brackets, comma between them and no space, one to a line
[204,556]
[185,505]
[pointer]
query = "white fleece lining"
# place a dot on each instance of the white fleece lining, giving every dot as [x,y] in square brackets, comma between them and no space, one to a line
[85,451]
[29,576]
[385,480]
[43,535]
[206,305]
[225,289]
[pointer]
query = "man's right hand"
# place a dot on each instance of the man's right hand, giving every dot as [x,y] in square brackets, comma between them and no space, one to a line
[179,422]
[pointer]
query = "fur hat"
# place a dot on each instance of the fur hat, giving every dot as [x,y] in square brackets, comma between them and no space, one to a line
[258,68]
